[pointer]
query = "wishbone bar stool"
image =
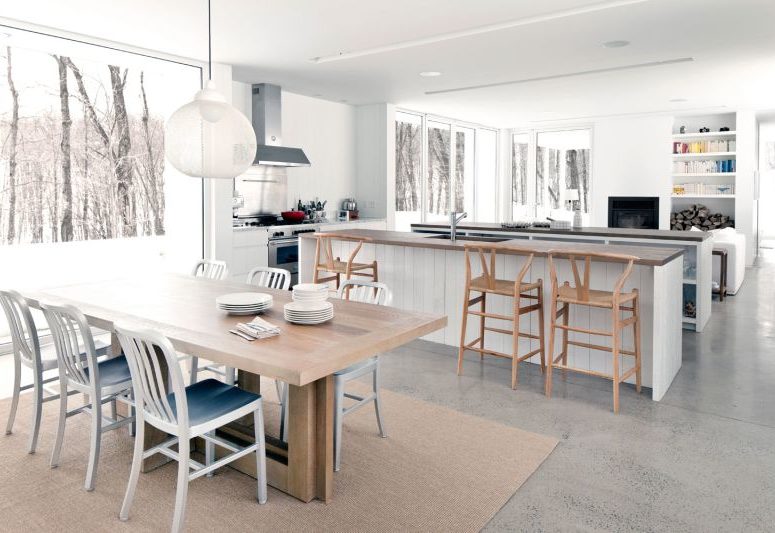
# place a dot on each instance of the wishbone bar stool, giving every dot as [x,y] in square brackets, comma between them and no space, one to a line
[580,293]
[518,289]
[327,262]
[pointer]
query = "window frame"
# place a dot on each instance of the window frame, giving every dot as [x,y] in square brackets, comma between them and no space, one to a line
[453,124]
[532,175]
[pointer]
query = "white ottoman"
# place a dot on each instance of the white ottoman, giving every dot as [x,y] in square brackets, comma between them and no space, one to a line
[734,243]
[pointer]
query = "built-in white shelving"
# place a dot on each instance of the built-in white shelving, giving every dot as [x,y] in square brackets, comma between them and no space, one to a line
[703,174]
[706,135]
[705,155]
[692,196]
[711,151]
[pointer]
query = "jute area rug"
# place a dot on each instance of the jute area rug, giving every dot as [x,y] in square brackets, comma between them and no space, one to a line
[439,470]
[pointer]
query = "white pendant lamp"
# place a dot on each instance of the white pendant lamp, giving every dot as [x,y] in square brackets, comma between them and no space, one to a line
[208,138]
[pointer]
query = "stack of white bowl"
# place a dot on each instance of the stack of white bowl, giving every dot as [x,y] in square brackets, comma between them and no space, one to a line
[244,303]
[309,305]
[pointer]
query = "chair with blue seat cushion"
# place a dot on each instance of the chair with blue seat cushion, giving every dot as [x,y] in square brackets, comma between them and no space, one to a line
[184,413]
[80,371]
[27,351]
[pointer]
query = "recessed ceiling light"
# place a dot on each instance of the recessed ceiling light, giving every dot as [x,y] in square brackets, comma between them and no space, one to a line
[677,100]
[430,74]
[616,44]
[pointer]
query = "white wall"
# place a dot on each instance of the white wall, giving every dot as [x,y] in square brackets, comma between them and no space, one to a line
[375,161]
[745,209]
[326,132]
[631,157]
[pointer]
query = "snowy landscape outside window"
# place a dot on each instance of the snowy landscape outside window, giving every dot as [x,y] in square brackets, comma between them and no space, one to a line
[84,190]
[454,172]
[544,165]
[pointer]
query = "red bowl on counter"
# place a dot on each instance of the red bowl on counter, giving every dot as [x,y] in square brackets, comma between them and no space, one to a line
[293,216]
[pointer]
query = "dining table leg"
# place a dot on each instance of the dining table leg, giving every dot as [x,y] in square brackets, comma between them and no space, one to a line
[311,440]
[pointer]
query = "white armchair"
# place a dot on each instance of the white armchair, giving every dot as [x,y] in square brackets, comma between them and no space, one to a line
[734,243]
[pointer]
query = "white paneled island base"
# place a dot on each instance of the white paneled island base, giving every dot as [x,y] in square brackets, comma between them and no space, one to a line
[428,274]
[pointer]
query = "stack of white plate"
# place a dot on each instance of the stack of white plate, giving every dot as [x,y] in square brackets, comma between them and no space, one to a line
[308,312]
[310,292]
[244,303]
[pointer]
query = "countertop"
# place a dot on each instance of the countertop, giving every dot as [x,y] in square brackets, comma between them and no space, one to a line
[668,235]
[357,221]
[647,255]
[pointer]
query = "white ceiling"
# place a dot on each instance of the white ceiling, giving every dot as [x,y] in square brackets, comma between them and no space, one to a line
[732,43]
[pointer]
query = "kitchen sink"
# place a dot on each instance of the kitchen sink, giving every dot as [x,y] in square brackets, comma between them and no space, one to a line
[470,238]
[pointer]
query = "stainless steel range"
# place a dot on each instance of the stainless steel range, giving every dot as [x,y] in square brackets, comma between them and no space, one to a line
[282,249]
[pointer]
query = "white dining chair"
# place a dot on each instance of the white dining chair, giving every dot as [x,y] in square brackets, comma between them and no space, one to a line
[370,292]
[103,381]
[184,413]
[214,270]
[210,269]
[27,352]
[270,277]
[273,278]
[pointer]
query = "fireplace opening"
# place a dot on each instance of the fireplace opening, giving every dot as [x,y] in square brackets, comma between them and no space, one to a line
[640,212]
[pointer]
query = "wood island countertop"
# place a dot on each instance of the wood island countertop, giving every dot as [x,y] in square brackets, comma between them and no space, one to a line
[647,255]
[619,233]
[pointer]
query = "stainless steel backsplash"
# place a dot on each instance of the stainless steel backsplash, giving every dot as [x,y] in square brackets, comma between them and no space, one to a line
[265,190]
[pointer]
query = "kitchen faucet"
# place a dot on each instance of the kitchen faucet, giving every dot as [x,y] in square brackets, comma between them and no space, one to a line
[454,218]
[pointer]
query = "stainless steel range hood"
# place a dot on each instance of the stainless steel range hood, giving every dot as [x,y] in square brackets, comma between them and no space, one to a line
[267,123]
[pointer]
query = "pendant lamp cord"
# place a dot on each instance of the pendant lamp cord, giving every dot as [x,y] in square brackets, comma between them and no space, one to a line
[209,45]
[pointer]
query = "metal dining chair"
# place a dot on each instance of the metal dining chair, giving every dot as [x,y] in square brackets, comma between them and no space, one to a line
[210,269]
[184,413]
[270,277]
[28,352]
[214,270]
[370,292]
[103,381]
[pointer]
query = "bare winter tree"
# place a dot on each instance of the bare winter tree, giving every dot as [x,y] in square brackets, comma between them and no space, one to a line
[408,161]
[153,181]
[124,167]
[66,227]
[13,138]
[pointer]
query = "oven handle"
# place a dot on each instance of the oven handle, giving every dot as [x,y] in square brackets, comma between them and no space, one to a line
[282,242]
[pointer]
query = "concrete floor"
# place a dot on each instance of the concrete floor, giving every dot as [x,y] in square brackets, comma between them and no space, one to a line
[702,459]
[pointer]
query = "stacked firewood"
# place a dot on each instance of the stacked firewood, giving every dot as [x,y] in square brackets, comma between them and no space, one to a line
[700,217]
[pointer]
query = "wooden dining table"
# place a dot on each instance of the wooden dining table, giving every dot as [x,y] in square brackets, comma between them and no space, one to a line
[183,309]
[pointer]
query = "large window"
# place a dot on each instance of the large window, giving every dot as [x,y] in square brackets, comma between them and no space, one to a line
[84,189]
[546,168]
[443,166]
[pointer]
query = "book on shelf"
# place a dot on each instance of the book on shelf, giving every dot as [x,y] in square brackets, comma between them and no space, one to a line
[704,147]
[703,189]
[705,166]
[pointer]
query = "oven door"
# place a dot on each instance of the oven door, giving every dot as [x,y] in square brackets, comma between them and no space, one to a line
[284,253]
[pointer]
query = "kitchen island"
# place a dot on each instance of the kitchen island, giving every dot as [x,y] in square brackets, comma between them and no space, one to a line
[695,291]
[427,273]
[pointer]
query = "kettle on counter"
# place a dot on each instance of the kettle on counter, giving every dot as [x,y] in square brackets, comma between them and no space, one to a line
[349,204]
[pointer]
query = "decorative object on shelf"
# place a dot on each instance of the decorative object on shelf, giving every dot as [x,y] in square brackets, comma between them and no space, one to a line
[703,189]
[724,128]
[682,129]
[700,217]
[207,137]
[690,309]
[704,130]
[572,197]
